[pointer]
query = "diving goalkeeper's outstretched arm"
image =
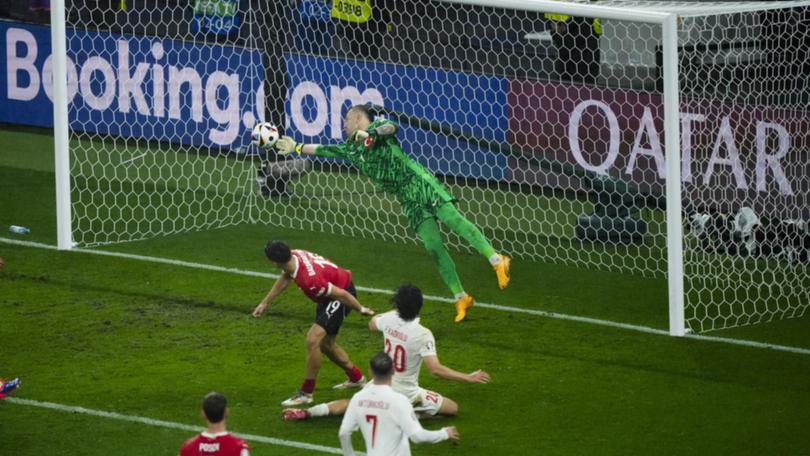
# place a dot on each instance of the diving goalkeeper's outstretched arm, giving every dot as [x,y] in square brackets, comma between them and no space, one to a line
[286,145]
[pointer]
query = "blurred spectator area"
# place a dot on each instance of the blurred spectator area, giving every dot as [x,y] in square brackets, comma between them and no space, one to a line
[751,49]
[459,37]
[36,11]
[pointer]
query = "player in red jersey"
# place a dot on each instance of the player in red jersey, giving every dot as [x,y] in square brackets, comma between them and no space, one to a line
[215,441]
[331,288]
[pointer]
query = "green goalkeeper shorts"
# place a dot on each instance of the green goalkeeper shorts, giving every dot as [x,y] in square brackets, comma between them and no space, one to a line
[421,200]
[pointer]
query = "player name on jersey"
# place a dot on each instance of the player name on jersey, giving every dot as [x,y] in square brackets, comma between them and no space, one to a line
[307,264]
[222,444]
[316,275]
[396,334]
[365,403]
[208,447]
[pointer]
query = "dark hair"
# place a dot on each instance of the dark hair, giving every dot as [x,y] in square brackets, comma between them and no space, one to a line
[382,366]
[365,110]
[408,301]
[214,405]
[278,251]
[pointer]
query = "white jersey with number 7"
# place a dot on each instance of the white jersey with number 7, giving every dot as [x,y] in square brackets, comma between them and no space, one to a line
[406,342]
[386,420]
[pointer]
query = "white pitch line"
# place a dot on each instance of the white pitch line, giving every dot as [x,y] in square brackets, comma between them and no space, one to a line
[130,160]
[170,424]
[539,313]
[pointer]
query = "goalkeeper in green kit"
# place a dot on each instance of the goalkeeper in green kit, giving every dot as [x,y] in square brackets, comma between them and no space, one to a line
[373,148]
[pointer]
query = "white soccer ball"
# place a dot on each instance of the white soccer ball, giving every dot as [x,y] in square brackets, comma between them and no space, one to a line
[264,135]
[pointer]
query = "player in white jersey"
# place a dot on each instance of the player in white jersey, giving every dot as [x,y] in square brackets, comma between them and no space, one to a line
[409,344]
[385,417]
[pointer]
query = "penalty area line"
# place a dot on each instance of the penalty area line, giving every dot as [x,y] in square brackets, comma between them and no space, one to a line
[535,312]
[169,424]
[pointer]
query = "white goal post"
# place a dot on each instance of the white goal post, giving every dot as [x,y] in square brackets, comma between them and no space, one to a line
[555,166]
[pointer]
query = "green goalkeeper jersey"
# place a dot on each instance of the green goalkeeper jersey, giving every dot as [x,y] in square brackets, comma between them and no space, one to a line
[382,159]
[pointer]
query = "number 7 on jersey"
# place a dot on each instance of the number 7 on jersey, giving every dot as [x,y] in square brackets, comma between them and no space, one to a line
[373,420]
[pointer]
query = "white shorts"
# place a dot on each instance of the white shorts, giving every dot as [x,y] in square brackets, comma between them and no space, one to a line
[426,401]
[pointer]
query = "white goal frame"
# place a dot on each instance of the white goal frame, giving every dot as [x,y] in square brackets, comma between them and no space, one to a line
[666,20]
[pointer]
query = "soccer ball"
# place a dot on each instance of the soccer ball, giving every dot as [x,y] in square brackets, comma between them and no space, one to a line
[264,135]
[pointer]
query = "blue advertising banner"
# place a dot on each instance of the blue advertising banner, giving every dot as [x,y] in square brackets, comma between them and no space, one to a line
[143,87]
[321,90]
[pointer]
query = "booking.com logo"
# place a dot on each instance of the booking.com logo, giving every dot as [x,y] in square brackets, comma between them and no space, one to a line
[158,89]
[313,109]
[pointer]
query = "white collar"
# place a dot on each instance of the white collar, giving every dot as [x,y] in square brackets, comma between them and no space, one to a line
[214,436]
[297,264]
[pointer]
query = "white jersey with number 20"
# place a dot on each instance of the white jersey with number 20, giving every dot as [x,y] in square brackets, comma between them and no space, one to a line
[406,342]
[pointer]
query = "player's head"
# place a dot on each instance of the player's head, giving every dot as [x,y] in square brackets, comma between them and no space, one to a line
[359,116]
[278,252]
[215,407]
[381,366]
[408,301]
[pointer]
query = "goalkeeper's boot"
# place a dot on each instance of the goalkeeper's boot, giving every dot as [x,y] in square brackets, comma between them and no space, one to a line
[294,414]
[299,398]
[6,387]
[348,384]
[502,270]
[462,305]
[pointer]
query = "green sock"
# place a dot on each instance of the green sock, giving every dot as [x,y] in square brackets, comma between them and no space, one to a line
[431,237]
[464,228]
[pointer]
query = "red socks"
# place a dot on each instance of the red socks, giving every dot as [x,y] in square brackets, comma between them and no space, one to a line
[309,385]
[354,374]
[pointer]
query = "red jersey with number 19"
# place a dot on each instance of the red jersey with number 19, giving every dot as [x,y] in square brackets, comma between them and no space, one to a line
[315,276]
[220,444]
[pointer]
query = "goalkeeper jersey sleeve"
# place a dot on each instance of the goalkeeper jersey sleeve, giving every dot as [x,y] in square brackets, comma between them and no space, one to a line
[332,151]
[381,158]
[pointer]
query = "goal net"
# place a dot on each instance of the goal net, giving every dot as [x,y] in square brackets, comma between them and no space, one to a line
[163,96]
[548,127]
[745,113]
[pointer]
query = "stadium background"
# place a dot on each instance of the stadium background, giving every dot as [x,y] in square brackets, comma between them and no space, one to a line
[138,338]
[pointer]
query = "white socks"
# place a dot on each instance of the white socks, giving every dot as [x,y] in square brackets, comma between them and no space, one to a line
[319,410]
[460,295]
[494,259]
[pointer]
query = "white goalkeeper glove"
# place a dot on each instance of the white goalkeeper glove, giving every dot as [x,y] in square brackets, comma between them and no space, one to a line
[286,145]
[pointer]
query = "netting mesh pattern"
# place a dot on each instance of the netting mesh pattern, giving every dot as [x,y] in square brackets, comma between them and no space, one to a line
[515,107]
[745,144]
[162,99]
[547,128]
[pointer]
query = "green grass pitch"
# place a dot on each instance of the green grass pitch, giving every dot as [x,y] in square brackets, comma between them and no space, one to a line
[149,340]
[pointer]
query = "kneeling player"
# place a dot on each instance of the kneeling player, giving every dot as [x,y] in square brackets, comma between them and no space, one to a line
[409,344]
[332,290]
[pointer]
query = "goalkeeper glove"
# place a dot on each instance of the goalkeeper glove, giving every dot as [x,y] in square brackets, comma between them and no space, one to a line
[286,145]
[359,135]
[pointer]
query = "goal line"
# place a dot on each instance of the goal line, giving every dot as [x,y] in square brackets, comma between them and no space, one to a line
[535,312]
